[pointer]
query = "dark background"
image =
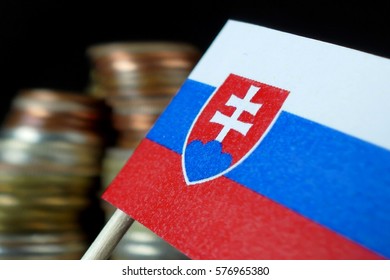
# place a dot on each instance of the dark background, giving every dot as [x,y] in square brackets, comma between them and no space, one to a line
[43,43]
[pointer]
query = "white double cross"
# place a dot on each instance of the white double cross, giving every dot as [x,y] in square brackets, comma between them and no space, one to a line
[241,105]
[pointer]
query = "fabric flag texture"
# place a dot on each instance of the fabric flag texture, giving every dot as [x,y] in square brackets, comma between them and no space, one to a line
[276,147]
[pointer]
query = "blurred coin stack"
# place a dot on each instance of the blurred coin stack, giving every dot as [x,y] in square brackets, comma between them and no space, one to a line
[137,80]
[51,149]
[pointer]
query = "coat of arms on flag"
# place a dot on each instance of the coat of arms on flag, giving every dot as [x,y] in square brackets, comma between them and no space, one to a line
[229,127]
[275,147]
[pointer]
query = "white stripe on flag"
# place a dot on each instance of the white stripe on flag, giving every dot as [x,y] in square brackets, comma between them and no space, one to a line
[344,89]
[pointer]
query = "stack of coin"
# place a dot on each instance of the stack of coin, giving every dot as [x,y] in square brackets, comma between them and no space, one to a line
[137,80]
[51,148]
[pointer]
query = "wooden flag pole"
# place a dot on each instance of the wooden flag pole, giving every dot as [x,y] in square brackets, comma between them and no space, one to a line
[109,236]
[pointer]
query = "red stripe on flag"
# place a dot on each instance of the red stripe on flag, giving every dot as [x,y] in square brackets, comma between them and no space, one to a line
[219,219]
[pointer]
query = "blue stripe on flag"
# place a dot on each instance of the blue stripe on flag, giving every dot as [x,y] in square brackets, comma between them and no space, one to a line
[329,177]
[172,126]
[334,179]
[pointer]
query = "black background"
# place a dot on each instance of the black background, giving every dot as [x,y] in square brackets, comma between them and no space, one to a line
[43,43]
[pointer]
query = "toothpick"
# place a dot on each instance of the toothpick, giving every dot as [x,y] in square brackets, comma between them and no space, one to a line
[109,236]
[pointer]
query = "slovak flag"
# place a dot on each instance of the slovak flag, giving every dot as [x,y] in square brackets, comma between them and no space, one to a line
[275,147]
